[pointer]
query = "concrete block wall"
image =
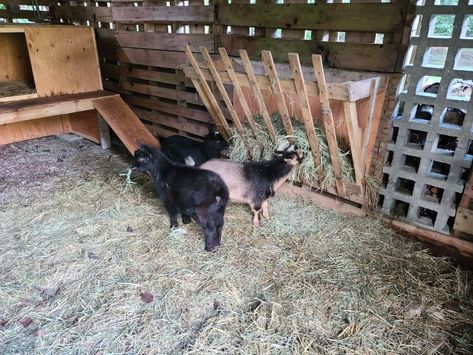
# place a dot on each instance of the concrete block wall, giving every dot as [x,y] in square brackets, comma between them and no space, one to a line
[429,152]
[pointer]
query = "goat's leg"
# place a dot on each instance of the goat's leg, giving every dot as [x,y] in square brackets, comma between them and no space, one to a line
[172,212]
[255,208]
[205,220]
[264,206]
[219,221]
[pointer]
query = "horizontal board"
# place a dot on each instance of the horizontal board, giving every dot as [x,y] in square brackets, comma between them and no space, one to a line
[25,14]
[83,13]
[371,17]
[357,56]
[164,119]
[164,41]
[152,75]
[188,14]
[155,58]
[189,97]
[191,113]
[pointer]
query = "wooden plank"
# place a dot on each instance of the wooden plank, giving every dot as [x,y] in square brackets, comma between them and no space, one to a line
[327,118]
[85,124]
[180,124]
[48,106]
[14,58]
[323,200]
[240,96]
[465,248]
[155,58]
[276,90]
[191,113]
[26,14]
[151,75]
[208,98]
[188,14]
[226,98]
[370,129]
[257,93]
[355,135]
[20,131]
[165,41]
[464,220]
[376,57]
[124,123]
[64,60]
[374,17]
[171,94]
[83,13]
[306,113]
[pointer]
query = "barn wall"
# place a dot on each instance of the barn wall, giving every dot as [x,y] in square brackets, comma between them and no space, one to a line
[141,43]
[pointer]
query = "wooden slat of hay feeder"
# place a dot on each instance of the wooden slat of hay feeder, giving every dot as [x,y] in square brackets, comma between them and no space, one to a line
[352,114]
[226,98]
[276,90]
[240,95]
[306,113]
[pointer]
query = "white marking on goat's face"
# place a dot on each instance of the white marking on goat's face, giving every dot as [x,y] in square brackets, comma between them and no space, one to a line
[189,161]
[291,148]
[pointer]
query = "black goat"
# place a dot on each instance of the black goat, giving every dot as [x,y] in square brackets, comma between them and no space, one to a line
[190,191]
[187,151]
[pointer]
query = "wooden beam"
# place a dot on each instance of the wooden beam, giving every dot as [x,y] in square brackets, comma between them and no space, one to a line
[327,118]
[306,113]
[464,247]
[226,98]
[276,90]
[187,14]
[208,97]
[257,93]
[370,131]
[354,135]
[164,41]
[240,96]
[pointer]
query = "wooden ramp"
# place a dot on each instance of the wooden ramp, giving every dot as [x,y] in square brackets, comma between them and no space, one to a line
[123,121]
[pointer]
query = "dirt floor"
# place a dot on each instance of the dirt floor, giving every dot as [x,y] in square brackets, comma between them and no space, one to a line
[88,264]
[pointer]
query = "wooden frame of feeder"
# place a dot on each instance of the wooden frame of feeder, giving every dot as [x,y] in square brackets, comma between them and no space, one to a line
[357,103]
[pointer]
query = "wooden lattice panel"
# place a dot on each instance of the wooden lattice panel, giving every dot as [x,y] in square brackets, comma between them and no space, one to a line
[430,149]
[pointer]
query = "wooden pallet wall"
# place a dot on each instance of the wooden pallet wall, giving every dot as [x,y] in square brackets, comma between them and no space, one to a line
[25,11]
[141,44]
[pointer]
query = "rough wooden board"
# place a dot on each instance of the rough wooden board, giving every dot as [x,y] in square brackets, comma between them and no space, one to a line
[83,13]
[20,131]
[355,135]
[124,123]
[85,124]
[376,57]
[464,247]
[14,58]
[324,201]
[172,94]
[164,41]
[64,60]
[155,58]
[375,17]
[464,220]
[31,109]
[152,75]
[187,14]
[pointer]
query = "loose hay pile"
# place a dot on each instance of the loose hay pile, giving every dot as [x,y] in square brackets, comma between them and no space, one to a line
[305,172]
[15,87]
[93,267]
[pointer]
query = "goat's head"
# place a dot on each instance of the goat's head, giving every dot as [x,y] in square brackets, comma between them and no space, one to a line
[291,155]
[144,157]
[216,140]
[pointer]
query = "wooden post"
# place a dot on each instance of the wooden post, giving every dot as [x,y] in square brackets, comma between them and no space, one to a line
[370,132]
[327,118]
[259,97]
[207,97]
[354,135]
[104,130]
[306,114]
[276,89]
